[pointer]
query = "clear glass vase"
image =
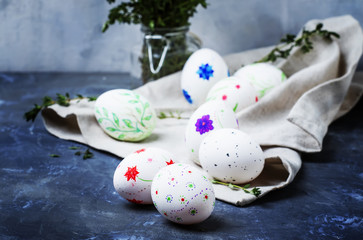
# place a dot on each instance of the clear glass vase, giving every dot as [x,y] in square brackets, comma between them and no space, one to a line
[165,50]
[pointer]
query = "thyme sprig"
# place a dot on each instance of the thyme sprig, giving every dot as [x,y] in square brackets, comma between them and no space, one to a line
[290,41]
[254,191]
[62,100]
[177,115]
[86,154]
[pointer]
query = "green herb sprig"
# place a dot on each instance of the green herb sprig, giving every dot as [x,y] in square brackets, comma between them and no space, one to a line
[290,41]
[153,13]
[86,155]
[177,115]
[254,191]
[62,100]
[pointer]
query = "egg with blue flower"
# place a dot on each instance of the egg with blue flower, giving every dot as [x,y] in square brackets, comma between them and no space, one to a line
[201,71]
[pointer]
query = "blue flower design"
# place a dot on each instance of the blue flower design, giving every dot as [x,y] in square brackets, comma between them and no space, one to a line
[187,96]
[205,71]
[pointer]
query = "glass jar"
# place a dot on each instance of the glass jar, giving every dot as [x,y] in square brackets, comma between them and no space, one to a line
[165,50]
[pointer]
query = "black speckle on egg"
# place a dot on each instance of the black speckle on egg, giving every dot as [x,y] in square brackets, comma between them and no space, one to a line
[229,165]
[233,180]
[215,165]
[227,154]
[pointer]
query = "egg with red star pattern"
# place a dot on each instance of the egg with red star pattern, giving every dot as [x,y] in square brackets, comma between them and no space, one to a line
[134,174]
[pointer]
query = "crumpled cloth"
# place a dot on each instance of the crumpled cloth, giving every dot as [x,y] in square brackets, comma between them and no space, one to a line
[292,118]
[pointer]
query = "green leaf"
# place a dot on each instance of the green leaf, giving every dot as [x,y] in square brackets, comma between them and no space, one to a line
[147,118]
[73,148]
[121,136]
[115,118]
[128,123]
[133,101]
[111,129]
[105,112]
[235,107]
[247,185]
[98,111]
[138,110]
[100,120]
[147,105]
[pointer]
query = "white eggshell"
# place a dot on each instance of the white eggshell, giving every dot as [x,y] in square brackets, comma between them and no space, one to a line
[262,76]
[231,155]
[133,176]
[207,118]
[236,93]
[182,194]
[125,115]
[202,70]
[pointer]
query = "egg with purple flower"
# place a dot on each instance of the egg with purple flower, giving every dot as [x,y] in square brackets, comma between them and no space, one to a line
[207,118]
[202,70]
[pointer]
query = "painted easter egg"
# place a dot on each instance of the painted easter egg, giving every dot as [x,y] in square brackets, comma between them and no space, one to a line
[236,93]
[262,76]
[133,176]
[201,71]
[231,155]
[183,194]
[125,115]
[207,118]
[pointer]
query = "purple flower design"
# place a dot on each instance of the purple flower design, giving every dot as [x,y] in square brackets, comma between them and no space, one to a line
[205,71]
[204,124]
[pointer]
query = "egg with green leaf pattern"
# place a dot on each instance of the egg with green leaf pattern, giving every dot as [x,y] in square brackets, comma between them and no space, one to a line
[125,115]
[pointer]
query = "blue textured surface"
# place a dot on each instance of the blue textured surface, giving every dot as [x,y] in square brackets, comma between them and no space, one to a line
[69,198]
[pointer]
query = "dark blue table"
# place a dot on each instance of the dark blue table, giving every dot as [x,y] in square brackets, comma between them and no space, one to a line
[42,197]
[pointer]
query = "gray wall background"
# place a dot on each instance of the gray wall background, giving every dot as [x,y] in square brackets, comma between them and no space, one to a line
[65,35]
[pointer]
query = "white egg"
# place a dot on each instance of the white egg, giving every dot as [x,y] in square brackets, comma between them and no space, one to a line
[207,118]
[236,93]
[231,155]
[183,194]
[202,70]
[262,76]
[133,176]
[125,115]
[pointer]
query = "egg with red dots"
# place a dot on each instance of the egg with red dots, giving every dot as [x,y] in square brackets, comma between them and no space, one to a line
[201,71]
[236,93]
[133,176]
[183,194]
[230,155]
[207,118]
[263,77]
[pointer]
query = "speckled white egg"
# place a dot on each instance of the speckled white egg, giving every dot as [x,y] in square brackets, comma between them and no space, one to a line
[236,93]
[201,71]
[231,155]
[125,115]
[133,176]
[183,194]
[262,76]
[207,118]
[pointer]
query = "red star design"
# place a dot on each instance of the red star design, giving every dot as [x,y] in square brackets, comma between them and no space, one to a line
[134,201]
[256,99]
[131,173]
[170,162]
[140,150]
